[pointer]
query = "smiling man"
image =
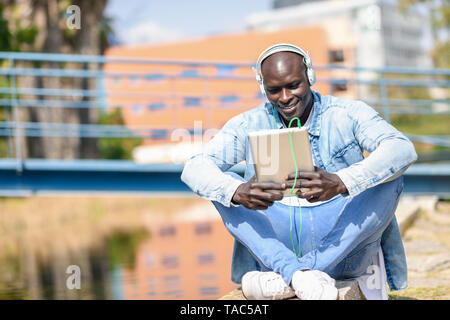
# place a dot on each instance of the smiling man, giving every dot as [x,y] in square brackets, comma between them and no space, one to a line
[347,218]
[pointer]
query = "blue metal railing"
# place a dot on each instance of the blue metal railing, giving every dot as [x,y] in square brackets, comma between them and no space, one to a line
[112,177]
[368,84]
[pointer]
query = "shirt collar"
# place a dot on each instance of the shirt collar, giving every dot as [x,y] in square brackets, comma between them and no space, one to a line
[314,126]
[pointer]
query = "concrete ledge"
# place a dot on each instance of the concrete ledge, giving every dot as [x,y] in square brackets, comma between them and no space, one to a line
[348,290]
[408,210]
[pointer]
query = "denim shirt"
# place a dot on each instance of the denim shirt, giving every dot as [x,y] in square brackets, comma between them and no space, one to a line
[339,131]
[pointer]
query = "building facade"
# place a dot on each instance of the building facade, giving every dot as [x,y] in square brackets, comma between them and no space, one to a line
[381,33]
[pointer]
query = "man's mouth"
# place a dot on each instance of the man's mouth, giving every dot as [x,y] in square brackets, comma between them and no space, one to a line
[289,109]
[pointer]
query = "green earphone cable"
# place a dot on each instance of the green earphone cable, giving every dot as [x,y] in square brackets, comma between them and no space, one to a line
[299,253]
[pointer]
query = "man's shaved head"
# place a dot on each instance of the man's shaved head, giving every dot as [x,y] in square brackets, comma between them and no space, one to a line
[281,62]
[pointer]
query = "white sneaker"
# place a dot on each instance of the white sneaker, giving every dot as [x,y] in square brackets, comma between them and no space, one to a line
[314,285]
[270,285]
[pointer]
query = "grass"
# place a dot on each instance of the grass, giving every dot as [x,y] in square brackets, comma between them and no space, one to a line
[426,124]
[420,293]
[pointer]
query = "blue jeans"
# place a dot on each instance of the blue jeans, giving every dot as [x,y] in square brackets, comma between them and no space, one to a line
[339,237]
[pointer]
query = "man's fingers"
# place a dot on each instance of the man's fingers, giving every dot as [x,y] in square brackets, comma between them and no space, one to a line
[301,183]
[267,185]
[268,196]
[311,196]
[259,204]
[303,175]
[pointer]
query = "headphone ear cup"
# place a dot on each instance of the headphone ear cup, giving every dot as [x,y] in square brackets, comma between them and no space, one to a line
[309,69]
[311,76]
[263,91]
[261,84]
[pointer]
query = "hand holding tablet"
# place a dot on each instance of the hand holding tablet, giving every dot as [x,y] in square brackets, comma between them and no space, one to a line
[272,155]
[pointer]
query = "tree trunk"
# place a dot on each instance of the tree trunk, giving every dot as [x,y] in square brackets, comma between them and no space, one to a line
[89,44]
[48,17]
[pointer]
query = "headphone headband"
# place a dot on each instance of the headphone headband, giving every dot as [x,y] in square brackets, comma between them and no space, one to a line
[283,47]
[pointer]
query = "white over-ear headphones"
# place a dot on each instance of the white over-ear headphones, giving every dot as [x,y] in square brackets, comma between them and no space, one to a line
[279,48]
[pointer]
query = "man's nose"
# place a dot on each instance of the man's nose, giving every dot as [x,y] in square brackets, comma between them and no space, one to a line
[285,96]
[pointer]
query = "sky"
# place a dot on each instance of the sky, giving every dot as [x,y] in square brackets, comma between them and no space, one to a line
[156,21]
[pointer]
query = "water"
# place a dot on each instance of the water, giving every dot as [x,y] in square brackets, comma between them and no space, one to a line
[146,259]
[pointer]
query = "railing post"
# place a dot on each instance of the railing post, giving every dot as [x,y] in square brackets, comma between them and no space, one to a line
[101,91]
[9,147]
[207,98]
[384,97]
[15,112]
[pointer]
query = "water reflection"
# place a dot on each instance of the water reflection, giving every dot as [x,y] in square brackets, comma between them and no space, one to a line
[176,260]
[187,260]
[30,275]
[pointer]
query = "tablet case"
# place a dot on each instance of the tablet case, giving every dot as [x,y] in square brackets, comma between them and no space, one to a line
[272,155]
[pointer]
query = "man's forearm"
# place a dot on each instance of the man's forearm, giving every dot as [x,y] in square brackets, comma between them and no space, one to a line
[380,166]
[207,180]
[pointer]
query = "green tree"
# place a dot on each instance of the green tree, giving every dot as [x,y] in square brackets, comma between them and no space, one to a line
[40,26]
[5,34]
[440,22]
[116,148]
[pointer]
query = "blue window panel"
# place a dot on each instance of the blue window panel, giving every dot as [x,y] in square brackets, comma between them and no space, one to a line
[192,101]
[173,293]
[136,109]
[170,261]
[134,79]
[203,228]
[156,106]
[167,231]
[225,70]
[159,134]
[205,258]
[207,291]
[194,132]
[156,76]
[228,99]
[191,73]
[259,95]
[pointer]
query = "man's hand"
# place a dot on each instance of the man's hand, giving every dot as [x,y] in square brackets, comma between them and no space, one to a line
[256,195]
[323,185]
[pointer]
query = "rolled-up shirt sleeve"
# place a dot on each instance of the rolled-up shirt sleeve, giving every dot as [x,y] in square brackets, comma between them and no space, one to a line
[204,172]
[391,152]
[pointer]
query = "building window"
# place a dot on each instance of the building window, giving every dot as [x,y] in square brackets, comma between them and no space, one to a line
[159,134]
[205,258]
[170,261]
[192,101]
[167,231]
[336,56]
[209,291]
[203,228]
[136,109]
[338,87]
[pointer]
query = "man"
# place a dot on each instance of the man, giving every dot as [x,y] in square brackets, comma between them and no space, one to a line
[346,218]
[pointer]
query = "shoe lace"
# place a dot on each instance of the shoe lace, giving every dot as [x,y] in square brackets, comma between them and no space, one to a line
[274,287]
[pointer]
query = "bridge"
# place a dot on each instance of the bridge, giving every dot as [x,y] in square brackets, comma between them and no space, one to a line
[115,177]
[23,176]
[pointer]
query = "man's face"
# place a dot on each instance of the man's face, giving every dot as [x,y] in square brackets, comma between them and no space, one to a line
[286,84]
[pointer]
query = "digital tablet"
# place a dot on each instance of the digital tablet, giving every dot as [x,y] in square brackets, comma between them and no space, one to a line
[272,155]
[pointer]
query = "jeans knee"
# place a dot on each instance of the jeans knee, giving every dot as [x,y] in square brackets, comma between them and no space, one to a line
[394,187]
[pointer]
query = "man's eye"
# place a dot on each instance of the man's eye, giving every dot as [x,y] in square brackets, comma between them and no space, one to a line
[273,91]
[294,85]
